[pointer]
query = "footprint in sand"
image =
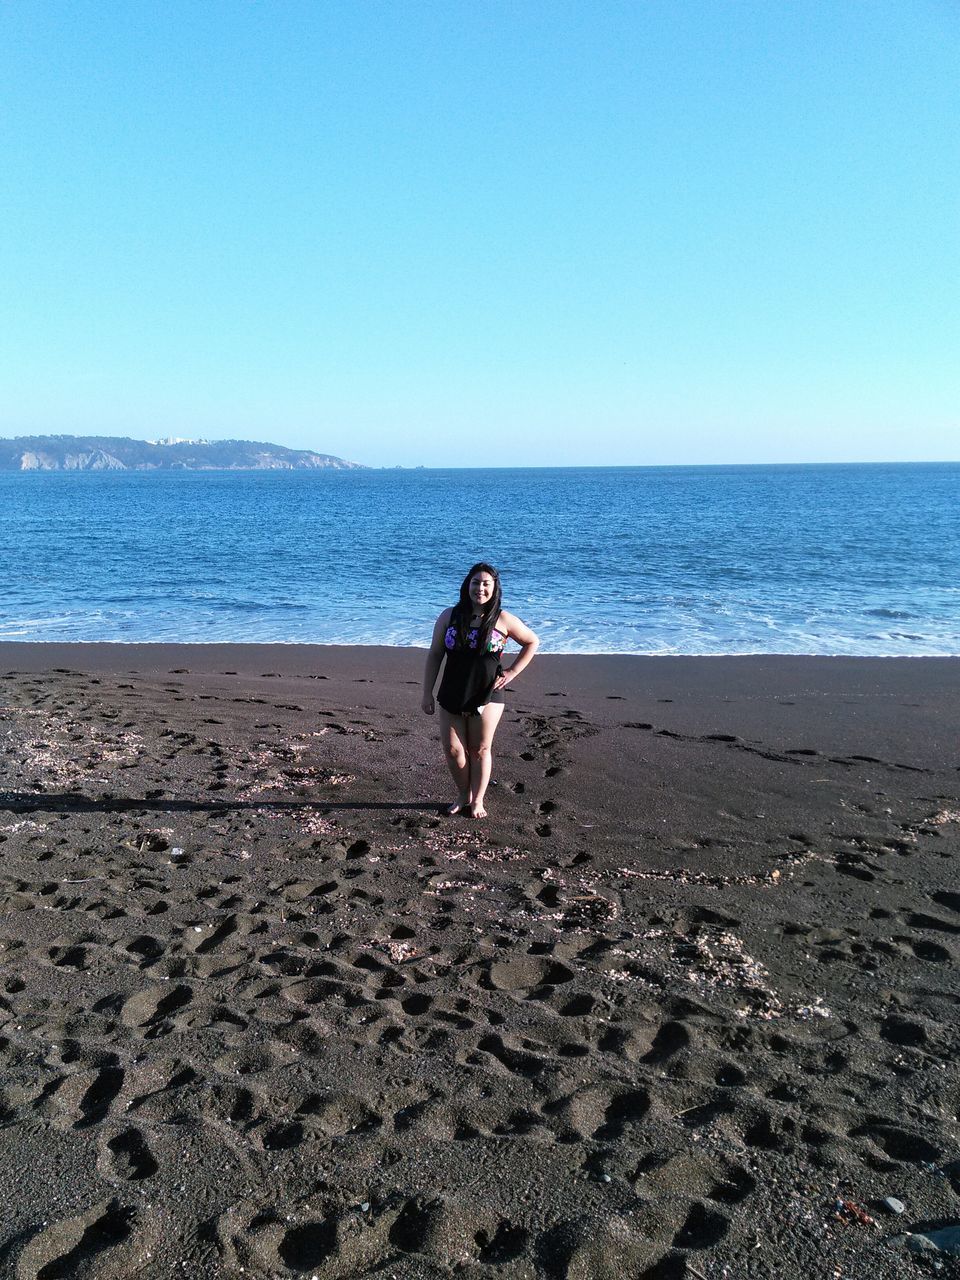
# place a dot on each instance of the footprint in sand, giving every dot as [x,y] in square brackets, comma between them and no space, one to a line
[86,1097]
[150,1009]
[704,1226]
[128,1157]
[898,1144]
[903,1032]
[600,1112]
[146,949]
[109,1239]
[526,973]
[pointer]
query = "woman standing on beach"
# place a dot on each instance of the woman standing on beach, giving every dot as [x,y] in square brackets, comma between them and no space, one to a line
[469,639]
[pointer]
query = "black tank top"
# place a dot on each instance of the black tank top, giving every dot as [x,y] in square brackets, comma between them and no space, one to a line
[468,675]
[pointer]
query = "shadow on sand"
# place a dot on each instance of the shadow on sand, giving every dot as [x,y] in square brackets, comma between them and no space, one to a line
[76,802]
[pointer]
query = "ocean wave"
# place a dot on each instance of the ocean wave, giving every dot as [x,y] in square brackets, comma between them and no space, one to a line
[210,631]
[257,606]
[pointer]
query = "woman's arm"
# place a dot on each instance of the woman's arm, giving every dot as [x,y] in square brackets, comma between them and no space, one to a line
[435,656]
[528,641]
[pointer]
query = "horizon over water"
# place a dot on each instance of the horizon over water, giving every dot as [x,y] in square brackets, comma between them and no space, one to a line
[844,558]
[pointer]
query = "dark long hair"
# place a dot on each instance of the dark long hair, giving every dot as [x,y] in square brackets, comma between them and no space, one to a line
[464,608]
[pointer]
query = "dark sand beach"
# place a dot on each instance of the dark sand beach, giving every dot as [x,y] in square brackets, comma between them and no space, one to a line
[685,1005]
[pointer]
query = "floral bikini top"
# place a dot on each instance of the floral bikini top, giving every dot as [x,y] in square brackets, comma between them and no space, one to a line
[495,643]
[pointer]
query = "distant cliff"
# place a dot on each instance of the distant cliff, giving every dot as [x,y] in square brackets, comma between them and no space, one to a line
[116,453]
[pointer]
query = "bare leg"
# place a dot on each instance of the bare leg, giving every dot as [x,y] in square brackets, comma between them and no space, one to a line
[453,736]
[480,731]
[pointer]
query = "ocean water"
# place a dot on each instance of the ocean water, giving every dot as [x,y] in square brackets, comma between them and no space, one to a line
[790,559]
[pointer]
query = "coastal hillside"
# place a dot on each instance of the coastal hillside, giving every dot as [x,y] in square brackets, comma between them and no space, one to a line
[118,453]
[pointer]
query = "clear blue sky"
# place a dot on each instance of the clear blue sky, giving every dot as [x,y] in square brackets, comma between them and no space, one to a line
[481,232]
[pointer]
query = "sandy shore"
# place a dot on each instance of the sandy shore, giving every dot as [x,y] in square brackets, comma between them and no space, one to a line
[265,1013]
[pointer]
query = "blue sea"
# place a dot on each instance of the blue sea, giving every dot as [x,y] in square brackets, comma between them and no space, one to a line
[660,560]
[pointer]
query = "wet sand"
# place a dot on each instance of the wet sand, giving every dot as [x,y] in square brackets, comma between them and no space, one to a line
[686,1004]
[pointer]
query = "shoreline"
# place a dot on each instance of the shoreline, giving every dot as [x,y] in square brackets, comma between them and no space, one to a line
[201,645]
[155,649]
[267,1012]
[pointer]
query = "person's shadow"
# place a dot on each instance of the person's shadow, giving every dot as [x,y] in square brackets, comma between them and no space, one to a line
[76,802]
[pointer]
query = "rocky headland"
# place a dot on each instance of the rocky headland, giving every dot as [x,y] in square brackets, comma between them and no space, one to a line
[118,453]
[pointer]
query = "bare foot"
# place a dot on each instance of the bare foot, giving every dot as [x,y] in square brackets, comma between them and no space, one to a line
[477,810]
[458,807]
